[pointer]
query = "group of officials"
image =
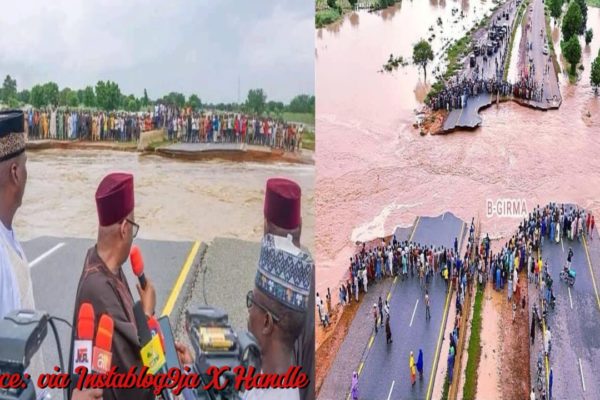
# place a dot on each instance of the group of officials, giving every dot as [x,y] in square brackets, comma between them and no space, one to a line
[283,291]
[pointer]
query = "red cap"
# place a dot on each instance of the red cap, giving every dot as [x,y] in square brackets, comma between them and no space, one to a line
[282,203]
[114,198]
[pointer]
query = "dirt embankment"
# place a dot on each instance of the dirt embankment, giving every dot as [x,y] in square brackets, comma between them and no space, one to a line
[504,370]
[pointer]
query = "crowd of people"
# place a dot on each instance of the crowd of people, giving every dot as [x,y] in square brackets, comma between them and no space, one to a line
[182,125]
[456,95]
[235,128]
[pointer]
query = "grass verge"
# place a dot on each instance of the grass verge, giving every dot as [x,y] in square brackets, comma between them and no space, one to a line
[474,349]
[518,21]
[593,3]
[551,43]
[308,140]
[303,118]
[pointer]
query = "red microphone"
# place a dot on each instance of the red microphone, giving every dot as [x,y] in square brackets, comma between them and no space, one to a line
[82,345]
[102,356]
[154,327]
[137,265]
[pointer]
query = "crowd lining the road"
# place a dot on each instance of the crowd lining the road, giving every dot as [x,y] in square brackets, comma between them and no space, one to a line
[182,125]
[375,262]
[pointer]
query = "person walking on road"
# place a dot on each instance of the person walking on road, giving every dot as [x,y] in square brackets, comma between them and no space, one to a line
[388,330]
[413,369]
[354,387]
[550,384]
[532,334]
[427,308]
[375,315]
[380,306]
[420,364]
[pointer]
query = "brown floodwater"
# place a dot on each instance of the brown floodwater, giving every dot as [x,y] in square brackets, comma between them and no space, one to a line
[175,200]
[375,172]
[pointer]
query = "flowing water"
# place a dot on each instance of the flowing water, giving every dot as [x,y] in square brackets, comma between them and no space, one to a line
[375,172]
[175,200]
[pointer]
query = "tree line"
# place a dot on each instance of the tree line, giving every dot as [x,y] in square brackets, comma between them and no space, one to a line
[107,96]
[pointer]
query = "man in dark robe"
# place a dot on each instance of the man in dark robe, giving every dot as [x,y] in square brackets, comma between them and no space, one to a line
[282,212]
[103,283]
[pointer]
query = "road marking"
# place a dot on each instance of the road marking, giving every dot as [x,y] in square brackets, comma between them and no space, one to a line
[360,367]
[371,341]
[437,349]
[414,229]
[570,298]
[389,295]
[413,316]
[591,270]
[180,280]
[581,372]
[46,254]
[392,388]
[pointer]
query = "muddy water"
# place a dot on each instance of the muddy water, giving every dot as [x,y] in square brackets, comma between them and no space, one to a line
[175,200]
[374,170]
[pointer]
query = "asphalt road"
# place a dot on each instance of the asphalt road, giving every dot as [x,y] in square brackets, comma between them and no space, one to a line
[386,373]
[537,37]
[574,325]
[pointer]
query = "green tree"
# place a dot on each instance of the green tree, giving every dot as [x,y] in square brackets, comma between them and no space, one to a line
[175,99]
[23,96]
[9,89]
[108,95]
[572,52]
[37,96]
[302,104]
[275,107]
[555,8]
[256,101]
[422,54]
[63,97]
[50,93]
[194,102]
[145,99]
[584,11]
[595,73]
[73,99]
[571,21]
[589,35]
[353,3]
[332,4]
[89,97]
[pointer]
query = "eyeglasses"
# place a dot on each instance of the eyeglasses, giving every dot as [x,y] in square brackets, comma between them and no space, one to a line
[250,301]
[135,226]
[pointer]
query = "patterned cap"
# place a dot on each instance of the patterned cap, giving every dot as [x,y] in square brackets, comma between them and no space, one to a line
[284,272]
[12,139]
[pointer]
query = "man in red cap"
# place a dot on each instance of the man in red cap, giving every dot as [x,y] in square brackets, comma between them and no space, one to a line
[103,283]
[283,217]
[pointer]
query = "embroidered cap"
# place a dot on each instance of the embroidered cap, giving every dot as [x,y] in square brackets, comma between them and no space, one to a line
[12,138]
[284,272]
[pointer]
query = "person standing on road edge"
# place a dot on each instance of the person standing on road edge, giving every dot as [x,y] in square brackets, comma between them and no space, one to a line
[412,367]
[427,307]
[420,364]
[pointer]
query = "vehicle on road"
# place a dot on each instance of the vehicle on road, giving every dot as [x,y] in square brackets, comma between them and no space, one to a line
[545,49]
[568,275]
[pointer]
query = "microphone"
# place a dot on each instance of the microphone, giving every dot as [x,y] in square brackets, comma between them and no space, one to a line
[137,264]
[82,345]
[152,353]
[102,356]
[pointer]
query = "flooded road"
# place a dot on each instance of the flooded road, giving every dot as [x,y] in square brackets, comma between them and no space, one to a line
[376,172]
[175,200]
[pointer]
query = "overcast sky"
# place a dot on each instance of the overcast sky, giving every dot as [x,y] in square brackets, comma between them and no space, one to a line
[187,46]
